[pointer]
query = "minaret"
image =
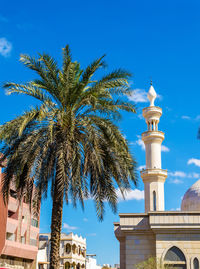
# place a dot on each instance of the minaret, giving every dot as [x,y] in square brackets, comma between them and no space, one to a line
[153,176]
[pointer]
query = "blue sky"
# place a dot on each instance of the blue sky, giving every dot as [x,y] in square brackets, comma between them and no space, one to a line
[152,39]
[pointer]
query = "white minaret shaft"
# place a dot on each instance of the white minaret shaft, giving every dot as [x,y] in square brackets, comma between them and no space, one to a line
[153,176]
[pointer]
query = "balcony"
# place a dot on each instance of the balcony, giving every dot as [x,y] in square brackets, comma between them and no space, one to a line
[17,249]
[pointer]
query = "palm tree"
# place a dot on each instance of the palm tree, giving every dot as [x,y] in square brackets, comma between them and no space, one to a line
[69,142]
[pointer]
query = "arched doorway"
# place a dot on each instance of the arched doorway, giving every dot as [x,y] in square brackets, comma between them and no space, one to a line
[174,258]
[67,265]
[78,266]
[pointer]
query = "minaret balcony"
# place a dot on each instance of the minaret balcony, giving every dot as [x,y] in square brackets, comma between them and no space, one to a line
[152,136]
[152,111]
[153,174]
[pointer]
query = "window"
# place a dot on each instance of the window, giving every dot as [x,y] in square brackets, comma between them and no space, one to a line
[154,201]
[195,263]
[68,248]
[23,239]
[10,213]
[33,242]
[175,258]
[13,194]
[10,236]
[34,222]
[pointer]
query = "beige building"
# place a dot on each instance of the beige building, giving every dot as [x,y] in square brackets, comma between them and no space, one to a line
[72,251]
[172,237]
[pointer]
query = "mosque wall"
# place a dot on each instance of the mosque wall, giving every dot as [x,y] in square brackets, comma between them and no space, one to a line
[187,242]
[123,253]
[139,247]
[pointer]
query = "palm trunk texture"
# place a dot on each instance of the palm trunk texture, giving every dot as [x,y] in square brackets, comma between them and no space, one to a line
[56,226]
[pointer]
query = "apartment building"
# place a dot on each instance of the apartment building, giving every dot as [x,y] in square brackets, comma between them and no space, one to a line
[19,233]
[72,251]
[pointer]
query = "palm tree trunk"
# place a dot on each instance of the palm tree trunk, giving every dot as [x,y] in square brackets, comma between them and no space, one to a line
[56,226]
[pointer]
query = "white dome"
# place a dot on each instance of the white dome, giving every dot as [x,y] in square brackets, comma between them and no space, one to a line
[191,199]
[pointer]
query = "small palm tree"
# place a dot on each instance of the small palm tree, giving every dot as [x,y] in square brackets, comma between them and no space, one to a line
[70,141]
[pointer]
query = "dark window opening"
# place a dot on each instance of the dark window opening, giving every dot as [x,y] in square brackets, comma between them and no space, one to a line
[154,201]
[12,214]
[196,263]
[13,194]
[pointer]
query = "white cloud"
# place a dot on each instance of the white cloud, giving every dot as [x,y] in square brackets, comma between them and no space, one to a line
[138,96]
[5,47]
[140,143]
[68,227]
[85,219]
[194,175]
[194,161]
[176,181]
[140,116]
[178,174]
[131,195]
[92,234]
[175,209]
[197,117]
[186,118]
[165,149]
[141,167]
[181,174]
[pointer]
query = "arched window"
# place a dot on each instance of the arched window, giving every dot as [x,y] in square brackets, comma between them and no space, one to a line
[74,249]
[175,258]
[68,248]
[195,263]
[154,201]
[73,266]
[79,250]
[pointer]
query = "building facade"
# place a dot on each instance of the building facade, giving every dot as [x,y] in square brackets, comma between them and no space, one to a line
[19,233]
[91,263]
[72,251]
[172,237]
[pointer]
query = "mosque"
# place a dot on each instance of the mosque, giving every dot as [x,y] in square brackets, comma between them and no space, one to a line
[172,237]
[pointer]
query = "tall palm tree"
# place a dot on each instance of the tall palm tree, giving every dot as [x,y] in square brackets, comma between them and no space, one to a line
[69,142]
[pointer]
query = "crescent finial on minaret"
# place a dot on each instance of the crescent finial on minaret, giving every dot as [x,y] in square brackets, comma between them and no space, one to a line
[151,95]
